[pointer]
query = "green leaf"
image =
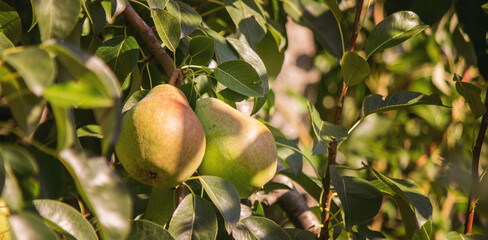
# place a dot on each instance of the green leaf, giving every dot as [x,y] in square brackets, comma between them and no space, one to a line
[161,205]
[314,188]
[56,18]
[160,4]
[5,43]
[142,229]
[316,16]
[26,108]
[201,50]
[363,232]
[259,228]
[295,159]
[10,24]
[354,68]
[472,94]
[190,92]
[376,103]
[458,236]
[21,187]
[188,18]
[253,58]
[393,30]
[96,15]
[35,66]
[65,219]
[326,131]
[334,8]
[360,200]
[241,77]
[318,147]
[193,219]
[134,99]
[223,52]
[298,234]
[78,94]
[102,191]
[225,197]
[270,53]
[168,27]
[64,126]
[424,233]
[121,54]
[2,177]
[27,226]
[247,16]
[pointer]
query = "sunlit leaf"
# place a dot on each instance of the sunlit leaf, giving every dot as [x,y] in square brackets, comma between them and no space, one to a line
[134,99]
[360,200]
[36,67]
[326,131]
[102,191]
[354,68]
[393,30]
[241,77]
[157,3]
[65,219]
[193,219]
[5,43]
[424,233]
[225,197]
[168,27]
[121,54]
[27,226]
[10,24]
[142,229]
[56,18]
[377,103]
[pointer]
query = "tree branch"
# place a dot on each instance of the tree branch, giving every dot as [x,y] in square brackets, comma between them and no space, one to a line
[332,149]
[472,199]
[147,34]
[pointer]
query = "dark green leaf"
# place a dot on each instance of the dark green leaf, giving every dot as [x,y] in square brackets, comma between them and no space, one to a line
[35,66]
[56,18]
[190,92]
[5,43]
[472,94]
[188,18]
[247,16]
[241,77]
[354,68]
[27,226]
[424,233]
[253,58]
[102,191]
[193,219]
[377,103]
[142,229]
[10,24]
[161,205]
[225,197]
[168,27]
[270,53]
[121,54]
[318,147]
[270,186]
[96,15]
[201,50]
[64,126]
[292,157]
[65,219]
[231,96]
[259,228]
[20,185]
[326,131]
[316,16]
[298,234]
[134,99]
[26,108]
[366,233]
[334,8]
[314,188]
[223,52]
[360,200]
[393,30]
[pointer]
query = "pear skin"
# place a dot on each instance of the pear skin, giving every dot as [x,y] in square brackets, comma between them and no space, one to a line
[162,142]
[239,149]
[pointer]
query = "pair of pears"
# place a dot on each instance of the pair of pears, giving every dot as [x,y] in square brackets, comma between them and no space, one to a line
[163,142]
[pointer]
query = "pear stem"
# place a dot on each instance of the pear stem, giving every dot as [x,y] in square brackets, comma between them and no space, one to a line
[147,34]
[332,149]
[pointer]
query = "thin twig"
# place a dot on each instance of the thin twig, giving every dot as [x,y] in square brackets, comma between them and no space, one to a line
[332,149]
[153,44]
[472,199]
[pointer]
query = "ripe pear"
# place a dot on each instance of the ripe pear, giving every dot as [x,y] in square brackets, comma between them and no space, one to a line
[162,142]
[240,149]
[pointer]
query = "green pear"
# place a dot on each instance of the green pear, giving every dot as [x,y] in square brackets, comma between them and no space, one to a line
[239,149]
[162,142]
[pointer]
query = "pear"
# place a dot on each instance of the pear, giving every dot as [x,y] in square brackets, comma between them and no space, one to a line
[162,142]
[239,149]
